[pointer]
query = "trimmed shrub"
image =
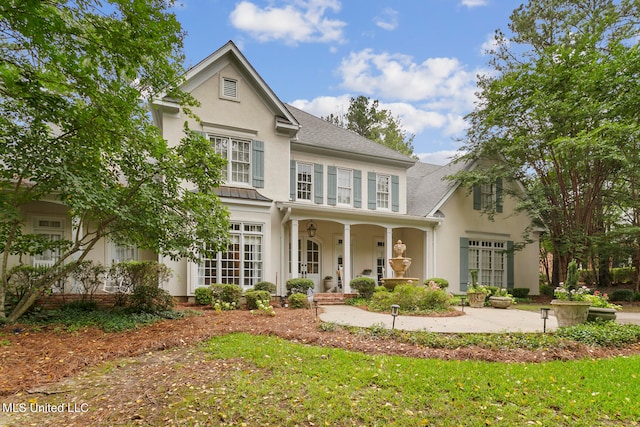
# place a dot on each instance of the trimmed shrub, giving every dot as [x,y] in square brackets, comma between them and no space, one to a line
[442,283]
[520,292]
[298,300]
[226,293]
[622,295]
[204,295]
[131,274]
[546,290]
[252,298]
[412,298]
[299,286]
[364,285]
[265,286]
[150,299]
[90,276]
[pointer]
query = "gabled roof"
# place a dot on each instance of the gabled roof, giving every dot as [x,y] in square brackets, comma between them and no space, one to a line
[427,188]
[318,135]
[229,53]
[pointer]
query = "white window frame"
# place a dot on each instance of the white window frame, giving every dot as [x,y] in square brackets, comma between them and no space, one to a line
[129,253]
[242,264]
[304,181]
[239,161]
[54,229]
[489,259]
[344,191]
[383,196]
[487,196]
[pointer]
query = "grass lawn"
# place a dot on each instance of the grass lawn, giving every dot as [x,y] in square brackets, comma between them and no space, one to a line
[270,381]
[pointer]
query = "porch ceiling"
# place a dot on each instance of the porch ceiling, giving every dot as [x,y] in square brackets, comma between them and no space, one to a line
[357,216]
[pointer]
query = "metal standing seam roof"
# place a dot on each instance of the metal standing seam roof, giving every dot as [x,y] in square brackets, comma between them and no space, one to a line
[240,193]
[317,132]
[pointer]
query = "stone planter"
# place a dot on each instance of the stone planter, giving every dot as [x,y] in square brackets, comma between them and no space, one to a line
[570,313]
[500,302]
[476,299]
[601,313]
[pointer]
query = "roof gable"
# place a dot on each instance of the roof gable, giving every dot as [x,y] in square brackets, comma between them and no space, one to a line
[214,63]
[427,188]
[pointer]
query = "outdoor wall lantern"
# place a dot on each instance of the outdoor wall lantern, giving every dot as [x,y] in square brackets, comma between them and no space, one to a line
[311,229]
[395,308]
[462,300]
[544,315]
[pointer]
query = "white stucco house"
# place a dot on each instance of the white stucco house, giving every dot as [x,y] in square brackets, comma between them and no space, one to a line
[309,199]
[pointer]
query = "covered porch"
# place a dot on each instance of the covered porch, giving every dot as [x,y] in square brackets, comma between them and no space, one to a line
[331,246]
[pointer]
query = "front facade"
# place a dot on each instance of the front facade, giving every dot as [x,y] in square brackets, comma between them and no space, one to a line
[309,199]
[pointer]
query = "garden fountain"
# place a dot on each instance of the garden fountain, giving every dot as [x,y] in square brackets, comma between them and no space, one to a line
[399,264]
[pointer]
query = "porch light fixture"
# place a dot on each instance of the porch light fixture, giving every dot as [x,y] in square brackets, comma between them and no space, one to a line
[544,315]
[395,308]
[311,229]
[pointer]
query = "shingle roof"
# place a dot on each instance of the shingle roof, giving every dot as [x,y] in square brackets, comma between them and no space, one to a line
[426,186]
[317,132]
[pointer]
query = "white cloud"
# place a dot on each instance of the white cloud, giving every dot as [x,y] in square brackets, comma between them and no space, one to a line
[324,105]
[436,82]
[388,20]
[474,3]
[299,21]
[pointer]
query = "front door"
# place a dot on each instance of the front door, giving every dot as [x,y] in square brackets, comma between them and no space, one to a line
[309,260]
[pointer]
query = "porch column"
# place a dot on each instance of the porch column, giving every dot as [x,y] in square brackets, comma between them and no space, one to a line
[426,256]
[294,249]
[388,247]
[347,259]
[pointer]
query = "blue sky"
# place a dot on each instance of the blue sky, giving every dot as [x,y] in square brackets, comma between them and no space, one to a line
[419,58]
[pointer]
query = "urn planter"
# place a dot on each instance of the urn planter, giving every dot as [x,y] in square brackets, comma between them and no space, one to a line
[500,302]
[601,313]
[476,299]
[570,313]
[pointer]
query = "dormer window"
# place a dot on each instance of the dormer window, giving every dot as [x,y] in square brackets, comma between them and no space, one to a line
[229,88]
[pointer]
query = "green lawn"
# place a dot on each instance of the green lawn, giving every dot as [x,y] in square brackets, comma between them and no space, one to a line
[270,381]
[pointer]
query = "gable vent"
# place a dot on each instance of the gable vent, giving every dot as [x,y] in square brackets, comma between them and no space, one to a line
[229,88]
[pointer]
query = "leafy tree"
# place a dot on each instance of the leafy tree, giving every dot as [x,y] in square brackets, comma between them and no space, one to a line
[75,130]
[366,118]
[559,113]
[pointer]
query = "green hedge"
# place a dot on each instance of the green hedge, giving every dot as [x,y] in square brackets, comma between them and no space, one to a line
[298,300]
[364,285]
[299,286]
[228,293]
[252,297]
[442,283]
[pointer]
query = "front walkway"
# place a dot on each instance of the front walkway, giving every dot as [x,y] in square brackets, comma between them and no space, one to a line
[474,320]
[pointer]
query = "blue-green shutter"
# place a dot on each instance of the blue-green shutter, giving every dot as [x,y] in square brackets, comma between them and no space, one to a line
[332,185]
[499,195]
[464,263]
[510,265]
[318,170]
[477,198]
[357,188]
[293,182]
[395,193]
[371,190]
[257,164]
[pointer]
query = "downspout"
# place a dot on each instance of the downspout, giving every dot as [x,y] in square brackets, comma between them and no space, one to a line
[283,263]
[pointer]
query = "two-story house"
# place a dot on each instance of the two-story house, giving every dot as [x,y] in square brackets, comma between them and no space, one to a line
[309,199]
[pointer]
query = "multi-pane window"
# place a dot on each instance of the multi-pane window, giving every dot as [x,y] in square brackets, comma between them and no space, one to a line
[238,155]
[487,196]
[489,260]
[382,191]
[304,178]
[345,186]
[121,253]
[241,263]
[53,231]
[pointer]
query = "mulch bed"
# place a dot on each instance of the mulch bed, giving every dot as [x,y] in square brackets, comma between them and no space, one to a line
[35,357]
